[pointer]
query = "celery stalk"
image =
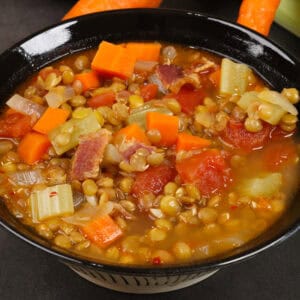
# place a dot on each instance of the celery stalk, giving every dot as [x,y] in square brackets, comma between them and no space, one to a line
[73,129]
[234,77]
[51,202]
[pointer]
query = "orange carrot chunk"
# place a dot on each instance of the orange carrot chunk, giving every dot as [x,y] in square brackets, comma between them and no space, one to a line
[166,125]
[190,142]
[51,118]
[83,7]
[215,77]
[102,231]
[32,147]
[258,14]
[145,51]
[89,80]
[113,60]
[135,132]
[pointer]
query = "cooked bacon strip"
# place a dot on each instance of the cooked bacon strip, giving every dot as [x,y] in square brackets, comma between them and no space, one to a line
[89,155]
[168,74]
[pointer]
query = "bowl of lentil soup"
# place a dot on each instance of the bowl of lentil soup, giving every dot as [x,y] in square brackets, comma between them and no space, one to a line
[156,154]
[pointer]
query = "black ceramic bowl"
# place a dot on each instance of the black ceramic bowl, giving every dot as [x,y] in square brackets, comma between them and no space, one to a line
[276,67]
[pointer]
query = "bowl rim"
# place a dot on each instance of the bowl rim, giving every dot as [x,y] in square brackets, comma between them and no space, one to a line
[176,269]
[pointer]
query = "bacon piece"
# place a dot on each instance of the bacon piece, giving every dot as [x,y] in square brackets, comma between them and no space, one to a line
[168,74]
[89,155]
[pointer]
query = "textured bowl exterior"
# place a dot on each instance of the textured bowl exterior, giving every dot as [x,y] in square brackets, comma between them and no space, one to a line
[140,284]
[275,66]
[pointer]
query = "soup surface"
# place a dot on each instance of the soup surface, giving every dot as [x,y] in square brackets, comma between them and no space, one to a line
[145,153]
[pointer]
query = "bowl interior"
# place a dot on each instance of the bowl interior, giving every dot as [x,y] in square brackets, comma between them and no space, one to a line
[188,28]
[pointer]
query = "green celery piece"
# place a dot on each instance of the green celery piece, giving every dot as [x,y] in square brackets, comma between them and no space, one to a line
[52,202]
[234,77]
[76,128]
[247,99]
[138,115]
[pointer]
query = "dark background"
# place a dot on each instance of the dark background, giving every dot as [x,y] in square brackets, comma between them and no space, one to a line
[28,273]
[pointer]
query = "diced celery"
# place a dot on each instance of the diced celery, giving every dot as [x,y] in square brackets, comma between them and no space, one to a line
[278,99]
[234,77]
[263,186]
[138,115]
[52,202]
[274,115]
[73,129]
[247,99]
[268,112]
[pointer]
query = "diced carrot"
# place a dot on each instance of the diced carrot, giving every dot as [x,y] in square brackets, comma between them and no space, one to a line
[33,146]
[133,131]
[258,14]
[106,99]
[145,51]
[190,142]
[50,119]
[149,91]
[102,231]
[215,77]
[83,7]
[113,60]
[166,125]
[263,203]
[89,80]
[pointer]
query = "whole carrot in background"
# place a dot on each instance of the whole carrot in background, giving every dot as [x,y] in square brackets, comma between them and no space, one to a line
[83,7]
[258,14]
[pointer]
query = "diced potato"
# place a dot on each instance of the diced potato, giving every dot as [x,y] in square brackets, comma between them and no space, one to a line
[263,186]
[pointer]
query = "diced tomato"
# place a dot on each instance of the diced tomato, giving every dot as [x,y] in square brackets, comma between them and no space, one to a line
[107,99]
[279,154]
[189,98]
[152,180]
[236,135]
[149,91]
[15,125]
[208,171]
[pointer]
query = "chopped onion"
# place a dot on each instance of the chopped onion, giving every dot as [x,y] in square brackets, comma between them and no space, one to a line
[91,200]
[144,66]
[112,155]
[59,95]
[88,212]
[78,199]
[26,178]
[169,53]
[278,99]
[156,80]
[25,106]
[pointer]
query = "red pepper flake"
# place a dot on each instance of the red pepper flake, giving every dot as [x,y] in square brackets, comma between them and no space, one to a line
[233,207]
[52,194]
[156,260]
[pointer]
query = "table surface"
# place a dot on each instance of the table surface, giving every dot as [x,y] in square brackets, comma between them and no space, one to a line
[28,273]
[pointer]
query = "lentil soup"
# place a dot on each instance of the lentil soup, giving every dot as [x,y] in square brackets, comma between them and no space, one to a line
[148,153]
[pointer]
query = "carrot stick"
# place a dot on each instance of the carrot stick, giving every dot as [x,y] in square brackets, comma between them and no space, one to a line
[190,142]
[51,118]
[89,80]
[102,231]
[83,7]
[258,14]
[166,125]
[113,60]
[145,51]
[215,77]
[133,131]
[33,146]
